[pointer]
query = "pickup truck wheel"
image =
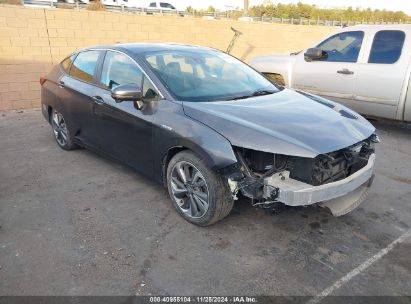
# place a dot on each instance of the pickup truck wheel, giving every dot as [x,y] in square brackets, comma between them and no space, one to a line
[279,79]
[200,195]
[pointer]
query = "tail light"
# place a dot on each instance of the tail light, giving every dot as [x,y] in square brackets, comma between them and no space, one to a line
[42,80]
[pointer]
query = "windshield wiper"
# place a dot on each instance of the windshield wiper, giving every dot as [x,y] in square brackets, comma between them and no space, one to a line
[263,92]
[255,93]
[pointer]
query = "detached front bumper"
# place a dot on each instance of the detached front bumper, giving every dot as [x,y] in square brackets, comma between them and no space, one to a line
[295,193]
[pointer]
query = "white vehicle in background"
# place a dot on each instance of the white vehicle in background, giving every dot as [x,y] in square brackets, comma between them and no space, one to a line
[112,2]
[125,3]
[165,6]
[365,67]
[72,1]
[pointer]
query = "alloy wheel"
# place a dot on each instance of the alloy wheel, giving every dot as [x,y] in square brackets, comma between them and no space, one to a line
[59,128]
[189,189]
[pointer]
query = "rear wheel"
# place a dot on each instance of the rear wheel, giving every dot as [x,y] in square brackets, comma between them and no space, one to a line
[61,131]
[200,195]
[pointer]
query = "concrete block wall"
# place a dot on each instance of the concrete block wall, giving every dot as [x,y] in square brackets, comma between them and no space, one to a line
[33,39]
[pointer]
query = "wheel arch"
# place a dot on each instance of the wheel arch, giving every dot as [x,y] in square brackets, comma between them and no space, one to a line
[166,160]
[186,146]
[49,111]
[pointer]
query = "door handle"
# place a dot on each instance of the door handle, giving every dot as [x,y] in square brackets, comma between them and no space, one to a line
[97,99]
[62,84]
[345,72]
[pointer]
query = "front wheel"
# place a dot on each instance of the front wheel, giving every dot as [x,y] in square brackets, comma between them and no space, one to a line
[200,195]
[61,131]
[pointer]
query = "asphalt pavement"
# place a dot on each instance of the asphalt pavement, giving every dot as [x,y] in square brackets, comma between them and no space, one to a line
[74,223]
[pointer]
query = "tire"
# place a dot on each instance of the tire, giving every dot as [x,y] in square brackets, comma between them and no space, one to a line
[61,131]
[201,180]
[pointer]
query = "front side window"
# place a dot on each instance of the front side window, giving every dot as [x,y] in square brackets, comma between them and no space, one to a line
[119,69]
[386,47]
[66,63]
[207,75]
[84,66]
[342,47]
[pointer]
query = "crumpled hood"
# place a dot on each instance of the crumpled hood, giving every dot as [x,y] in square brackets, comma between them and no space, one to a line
[286,122]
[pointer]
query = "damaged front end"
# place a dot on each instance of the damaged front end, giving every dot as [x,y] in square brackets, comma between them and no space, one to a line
[338,180]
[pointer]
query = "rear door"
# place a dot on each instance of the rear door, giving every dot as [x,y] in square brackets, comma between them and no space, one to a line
[75,92]
[381,75]
[125,132]
[333,76]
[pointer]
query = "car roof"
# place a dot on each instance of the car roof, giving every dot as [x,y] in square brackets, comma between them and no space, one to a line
[136,48]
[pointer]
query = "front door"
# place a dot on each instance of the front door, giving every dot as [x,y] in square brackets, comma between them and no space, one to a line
[334,75]
[124,131]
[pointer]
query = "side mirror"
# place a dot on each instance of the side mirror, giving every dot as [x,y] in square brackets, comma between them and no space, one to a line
[314,54]
[127,92]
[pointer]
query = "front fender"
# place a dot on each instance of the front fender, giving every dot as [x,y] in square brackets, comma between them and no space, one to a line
[176,130]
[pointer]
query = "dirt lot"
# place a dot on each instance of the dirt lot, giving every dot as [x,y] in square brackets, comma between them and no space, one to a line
[73,223]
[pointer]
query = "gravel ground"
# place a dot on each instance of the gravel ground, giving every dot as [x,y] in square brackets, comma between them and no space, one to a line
[73,223]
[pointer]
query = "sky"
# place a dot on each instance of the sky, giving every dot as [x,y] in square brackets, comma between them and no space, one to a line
[391,5]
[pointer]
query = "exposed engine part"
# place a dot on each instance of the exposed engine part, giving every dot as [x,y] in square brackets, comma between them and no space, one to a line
[375,139]
[252,184]
[255,168]
[296,193]
[233,188]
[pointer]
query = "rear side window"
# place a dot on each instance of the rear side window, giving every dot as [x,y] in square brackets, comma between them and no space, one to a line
[66,63]
[84,66]
[152,4]
[119,69]
[386,47]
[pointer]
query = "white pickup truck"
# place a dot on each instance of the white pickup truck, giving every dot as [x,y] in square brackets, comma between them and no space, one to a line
[365,67]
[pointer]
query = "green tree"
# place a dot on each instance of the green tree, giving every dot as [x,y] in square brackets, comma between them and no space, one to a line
[211,9]
[306,11]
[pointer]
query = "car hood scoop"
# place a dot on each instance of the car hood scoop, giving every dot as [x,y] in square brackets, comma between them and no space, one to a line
[286,122]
